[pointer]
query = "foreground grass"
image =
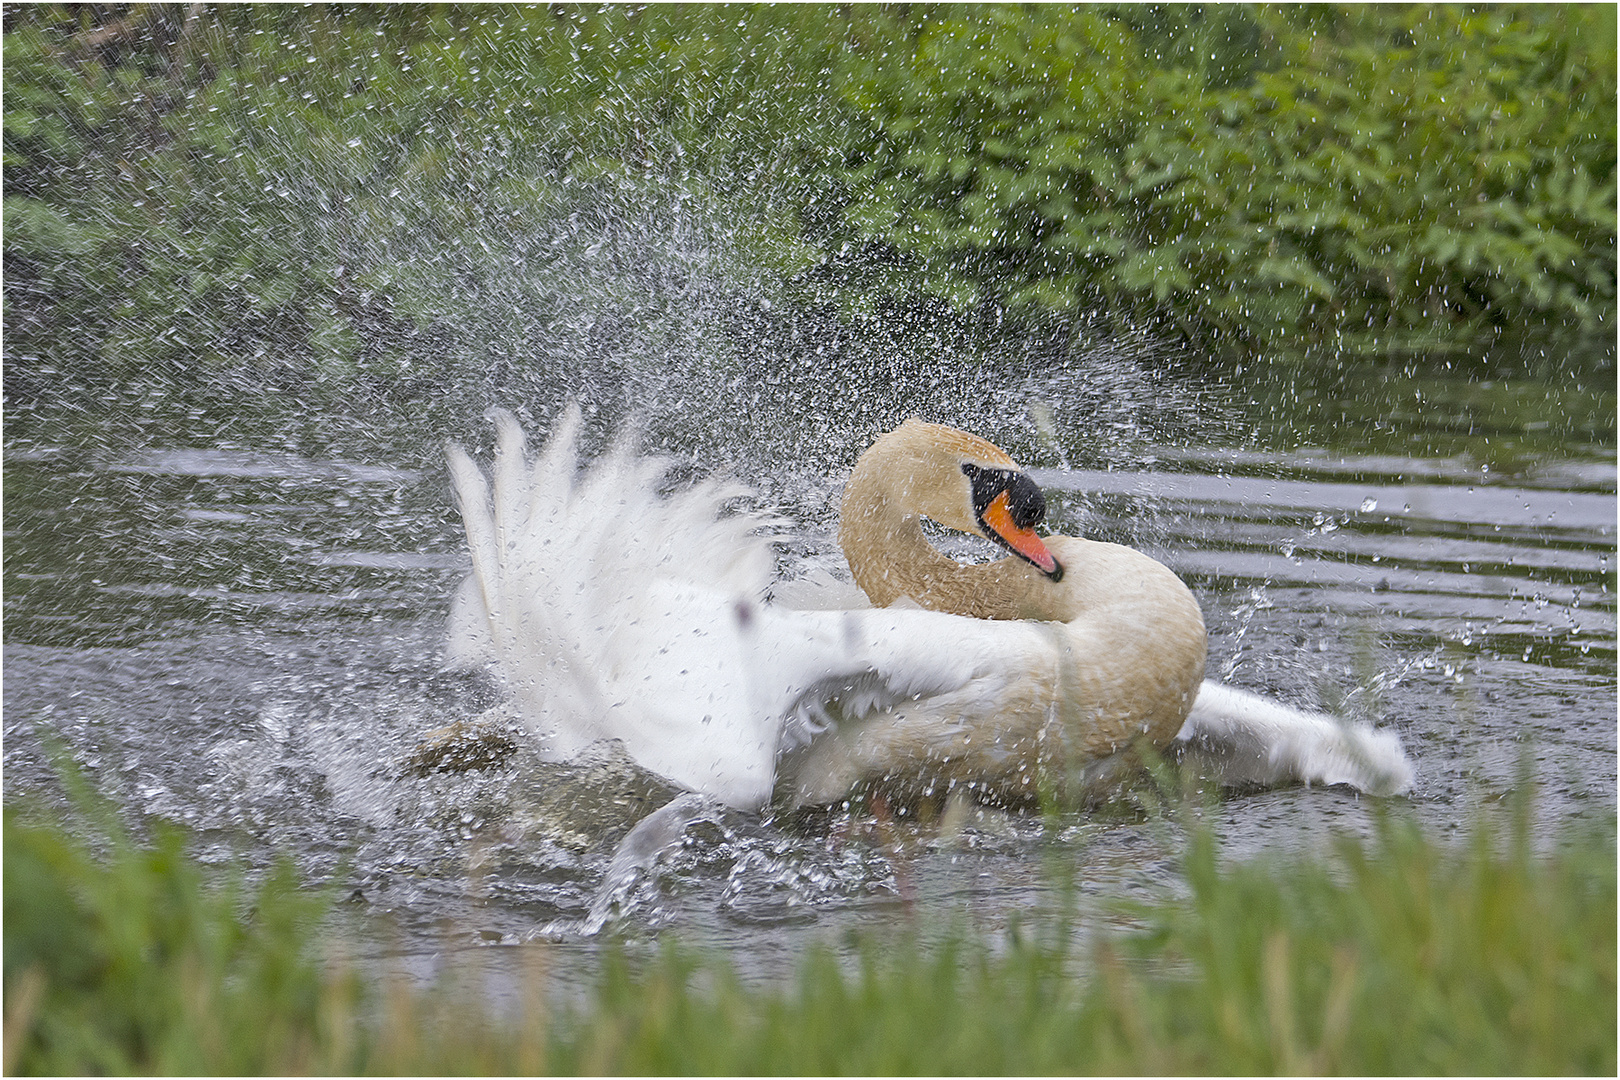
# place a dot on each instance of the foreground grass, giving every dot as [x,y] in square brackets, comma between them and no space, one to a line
[1399,956]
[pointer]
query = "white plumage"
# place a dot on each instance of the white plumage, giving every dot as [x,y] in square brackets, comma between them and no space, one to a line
[609,610]
[1242,739]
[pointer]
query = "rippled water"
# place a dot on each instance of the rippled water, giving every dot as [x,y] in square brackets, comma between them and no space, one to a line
[241,634]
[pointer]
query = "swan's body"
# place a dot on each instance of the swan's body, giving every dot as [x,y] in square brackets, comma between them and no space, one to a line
[610,611]
[1105,645]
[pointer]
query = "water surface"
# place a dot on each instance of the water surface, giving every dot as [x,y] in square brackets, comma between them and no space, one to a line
[234,623]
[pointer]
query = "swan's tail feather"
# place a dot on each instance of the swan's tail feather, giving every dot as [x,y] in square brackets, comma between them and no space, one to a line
[476,608]
[1239,738]
[513,482]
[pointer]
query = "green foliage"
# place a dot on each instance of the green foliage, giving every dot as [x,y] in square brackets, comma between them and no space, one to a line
[1404,958]
[127,961]
[1397,956]
[1367,178]
[312,194]
[375,201]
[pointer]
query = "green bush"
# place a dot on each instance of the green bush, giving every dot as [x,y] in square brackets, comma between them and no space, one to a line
[1371,178]
[371,200]
[313,195]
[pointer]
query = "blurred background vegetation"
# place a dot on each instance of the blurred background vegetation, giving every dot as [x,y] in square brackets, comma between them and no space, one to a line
[370,200]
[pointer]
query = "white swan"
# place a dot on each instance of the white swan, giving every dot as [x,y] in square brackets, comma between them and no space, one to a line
[1135,635]
[610,611]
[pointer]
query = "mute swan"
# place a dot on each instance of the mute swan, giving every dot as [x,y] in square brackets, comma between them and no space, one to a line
[1133,657]
[610,611]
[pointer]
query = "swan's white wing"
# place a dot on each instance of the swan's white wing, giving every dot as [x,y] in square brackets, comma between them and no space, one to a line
[818,590]
[909,691]
[610,610]
[706,689]
[1241,738]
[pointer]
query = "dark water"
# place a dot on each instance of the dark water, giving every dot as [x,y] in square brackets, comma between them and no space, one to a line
[234,623]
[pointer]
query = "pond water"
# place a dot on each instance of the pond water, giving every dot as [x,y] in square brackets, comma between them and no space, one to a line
[233,622]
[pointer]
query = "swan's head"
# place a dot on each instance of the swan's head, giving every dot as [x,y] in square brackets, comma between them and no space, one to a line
[964,483]
[1006,508]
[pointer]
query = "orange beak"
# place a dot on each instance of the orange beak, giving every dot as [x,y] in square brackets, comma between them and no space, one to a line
[997,517]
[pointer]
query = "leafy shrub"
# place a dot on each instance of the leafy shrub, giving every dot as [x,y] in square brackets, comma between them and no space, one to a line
[1370,178]
[374,201]
[311,197]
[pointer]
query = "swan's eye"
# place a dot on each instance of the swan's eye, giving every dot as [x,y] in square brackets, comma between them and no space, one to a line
[1027,502]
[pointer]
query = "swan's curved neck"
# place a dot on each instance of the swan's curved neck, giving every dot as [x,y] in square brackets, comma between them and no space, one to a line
[881,534]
